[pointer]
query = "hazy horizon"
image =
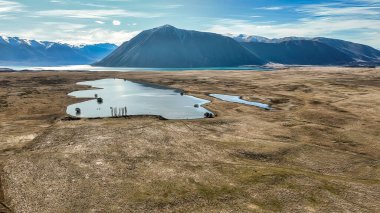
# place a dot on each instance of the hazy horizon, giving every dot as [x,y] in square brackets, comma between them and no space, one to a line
[116,21]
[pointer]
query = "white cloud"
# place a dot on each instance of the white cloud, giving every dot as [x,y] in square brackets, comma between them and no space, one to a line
[304,27]
[10,6]
[174,6]
[359,22]
[94,5]
[96,14]
[116,22]
[57,2]
[63,26]
[72,34]
[100,36]
[339,10]
[271,8]
[369,1]
[314,27]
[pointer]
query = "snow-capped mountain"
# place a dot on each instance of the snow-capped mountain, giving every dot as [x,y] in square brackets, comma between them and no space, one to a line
[16,51]
[254,38]
[167,47]
[249,38]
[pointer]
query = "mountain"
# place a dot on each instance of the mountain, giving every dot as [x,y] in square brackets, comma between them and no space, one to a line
[254,38]
[97,52]
[169,47]
[359,52]
[248,38]
[22,52]
[299,50]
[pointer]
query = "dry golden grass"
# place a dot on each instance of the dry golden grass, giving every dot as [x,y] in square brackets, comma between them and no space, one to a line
[317,151]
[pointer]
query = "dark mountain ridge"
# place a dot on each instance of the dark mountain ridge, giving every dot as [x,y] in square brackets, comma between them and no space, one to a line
[169,47]
[301,52]
[289,51]
[359,52]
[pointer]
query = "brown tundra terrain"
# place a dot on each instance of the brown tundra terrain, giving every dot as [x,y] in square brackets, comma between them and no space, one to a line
[317,150]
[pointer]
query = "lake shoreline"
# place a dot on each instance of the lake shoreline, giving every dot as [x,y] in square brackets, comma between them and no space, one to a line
[120,97]
[131,69]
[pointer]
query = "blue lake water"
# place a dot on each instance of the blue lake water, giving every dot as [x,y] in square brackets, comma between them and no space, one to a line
[128,69]
[137,98]
[237,99]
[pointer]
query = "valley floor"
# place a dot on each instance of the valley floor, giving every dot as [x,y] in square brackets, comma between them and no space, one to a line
[317,151]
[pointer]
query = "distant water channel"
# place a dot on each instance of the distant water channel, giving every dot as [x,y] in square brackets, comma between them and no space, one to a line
[129,69]
[118,97]
[237,99]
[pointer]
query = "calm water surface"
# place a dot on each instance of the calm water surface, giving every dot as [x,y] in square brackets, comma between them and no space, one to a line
[139,98]
[237,99]
[129,69]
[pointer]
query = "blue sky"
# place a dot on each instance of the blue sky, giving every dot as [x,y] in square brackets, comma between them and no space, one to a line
[116,21]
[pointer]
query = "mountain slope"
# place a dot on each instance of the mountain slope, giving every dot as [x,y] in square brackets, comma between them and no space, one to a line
[299,52]
[15,51]
[169,47]
[359,53]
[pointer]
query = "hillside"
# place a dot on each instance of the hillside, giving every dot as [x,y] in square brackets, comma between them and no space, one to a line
[169,47]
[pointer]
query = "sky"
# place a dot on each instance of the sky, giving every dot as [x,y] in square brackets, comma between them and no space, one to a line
[117,21]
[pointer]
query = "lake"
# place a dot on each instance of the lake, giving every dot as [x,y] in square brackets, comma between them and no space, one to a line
[237,99]
[128,69]
[135,99]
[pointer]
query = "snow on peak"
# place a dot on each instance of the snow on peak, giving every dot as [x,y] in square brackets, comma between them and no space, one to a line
[4,39]
[14,41]
[18,41]
[248,38]
[26,41]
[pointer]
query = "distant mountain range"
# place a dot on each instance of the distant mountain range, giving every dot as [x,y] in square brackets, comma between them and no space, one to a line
[15,51]
[299,52]
[170,47]
[254,38]
[310,51]
[167,46]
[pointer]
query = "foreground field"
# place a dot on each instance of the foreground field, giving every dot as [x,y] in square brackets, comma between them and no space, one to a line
[317,151]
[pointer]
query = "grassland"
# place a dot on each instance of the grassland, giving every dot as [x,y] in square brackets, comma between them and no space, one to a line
[317,151]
